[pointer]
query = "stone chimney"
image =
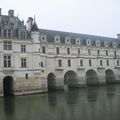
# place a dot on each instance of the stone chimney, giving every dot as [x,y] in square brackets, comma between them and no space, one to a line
[11,13]
[30,23]
[118,36]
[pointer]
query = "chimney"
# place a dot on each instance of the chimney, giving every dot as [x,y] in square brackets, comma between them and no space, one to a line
[0,11]
[118,36]
[30,22]
[11,13]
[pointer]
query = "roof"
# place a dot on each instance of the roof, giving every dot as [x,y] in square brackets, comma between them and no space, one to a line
[34,27]
[83,37]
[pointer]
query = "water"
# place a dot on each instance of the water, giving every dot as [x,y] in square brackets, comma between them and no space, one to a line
[93,103]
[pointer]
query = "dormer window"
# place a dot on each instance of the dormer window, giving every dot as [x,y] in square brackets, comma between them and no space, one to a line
[67,40]
[77,41]
[57,39]
[97,43]
[114,44]
[106,44]
[43,38]
[88,42]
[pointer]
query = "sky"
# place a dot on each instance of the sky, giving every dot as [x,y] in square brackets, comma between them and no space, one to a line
[95,17]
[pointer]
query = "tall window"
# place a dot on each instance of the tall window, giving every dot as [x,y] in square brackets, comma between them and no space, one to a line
[115,53]
[7,61]
[7,45]
[89,52]
[90,64]
[5,33]
[23,48]
[43,49]
[57,50]
[69,63]
[68,51]
[78,51]
[118,63]
[106,53]
[9,33]
[60,63]
[100,62]
[23,62]
[81,62]
[107,62]
[98,52]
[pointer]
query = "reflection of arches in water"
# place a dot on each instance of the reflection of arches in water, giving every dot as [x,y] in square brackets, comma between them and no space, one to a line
[9,106]
[92,78]
[72,96]
[110,77]
[51,81]
[92,93]
[52,98]
[8,86]
[70,79]
[111,90]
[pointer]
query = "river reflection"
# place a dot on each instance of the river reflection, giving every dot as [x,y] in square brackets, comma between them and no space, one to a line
[92,103]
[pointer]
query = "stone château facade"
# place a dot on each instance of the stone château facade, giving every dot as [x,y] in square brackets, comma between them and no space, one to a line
[35,60]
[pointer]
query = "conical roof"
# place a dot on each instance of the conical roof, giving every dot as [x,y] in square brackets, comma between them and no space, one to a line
[34,27]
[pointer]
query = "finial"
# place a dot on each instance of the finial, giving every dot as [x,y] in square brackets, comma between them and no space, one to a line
[34,17]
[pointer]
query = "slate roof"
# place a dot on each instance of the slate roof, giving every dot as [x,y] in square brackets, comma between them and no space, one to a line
[83,37]
[34,27]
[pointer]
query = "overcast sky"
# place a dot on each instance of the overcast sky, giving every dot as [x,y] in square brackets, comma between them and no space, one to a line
[96,17]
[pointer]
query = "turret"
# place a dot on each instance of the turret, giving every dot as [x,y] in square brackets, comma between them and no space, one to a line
[30,23]
[35,32]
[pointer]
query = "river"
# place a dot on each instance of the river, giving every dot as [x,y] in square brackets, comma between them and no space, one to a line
[91,103]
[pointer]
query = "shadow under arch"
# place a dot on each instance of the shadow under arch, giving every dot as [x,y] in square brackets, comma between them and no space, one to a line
[70,79]
[8,86]
[110,77]
[51,81]
[92,77]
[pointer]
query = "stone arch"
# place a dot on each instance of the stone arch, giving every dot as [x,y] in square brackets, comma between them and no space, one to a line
[92,77]
[70,79]
[8,86]
[51,81]
[110,77]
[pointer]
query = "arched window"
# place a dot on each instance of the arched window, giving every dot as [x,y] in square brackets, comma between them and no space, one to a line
[60,63]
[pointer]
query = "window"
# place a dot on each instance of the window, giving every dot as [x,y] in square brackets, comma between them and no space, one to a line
[43,49]
[106,53]
[78,51]
[60,63]
[90,64]
[98,52]
[41,64]
[57,50]
[7,61]
[69,63]
[7,45]
[115,53]
[107,62]
[89,52]
[68,51]
[100,62]
[9,33]
[23,62]
[26,75]
[5,33]
[118,63]
[23,48]
[81,62]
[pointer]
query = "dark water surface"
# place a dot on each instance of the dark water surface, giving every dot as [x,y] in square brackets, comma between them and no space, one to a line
[93,103]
